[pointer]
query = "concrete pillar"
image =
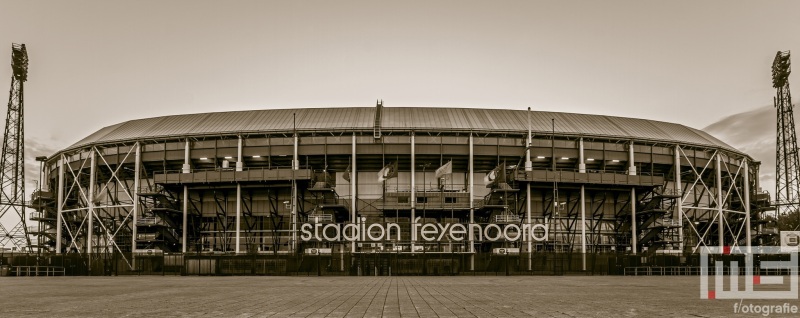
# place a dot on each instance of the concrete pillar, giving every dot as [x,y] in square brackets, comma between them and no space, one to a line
[59,221]
[528,163]
[631,163]
[45,177]
[581,160]
[240,161]
[295,156]
[634,235]
[186,166]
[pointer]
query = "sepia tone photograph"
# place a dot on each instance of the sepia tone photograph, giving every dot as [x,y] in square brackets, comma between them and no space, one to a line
[354,158]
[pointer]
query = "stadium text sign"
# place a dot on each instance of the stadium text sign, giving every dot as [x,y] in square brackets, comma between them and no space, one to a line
[430,232]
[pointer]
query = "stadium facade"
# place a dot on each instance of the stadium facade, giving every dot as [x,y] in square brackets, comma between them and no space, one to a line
[444,184]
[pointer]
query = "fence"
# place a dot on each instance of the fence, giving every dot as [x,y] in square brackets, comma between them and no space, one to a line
[349,264]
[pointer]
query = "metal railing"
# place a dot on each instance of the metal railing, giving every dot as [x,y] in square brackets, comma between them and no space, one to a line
[446,188]
[38,270]
[662,271]
[507,218]
[422,259]
[696,270]
[620,172]
[148,220]
[217,169]
[320,218]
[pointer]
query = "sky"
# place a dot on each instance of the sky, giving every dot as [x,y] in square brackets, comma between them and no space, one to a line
[98,63]
[753,132]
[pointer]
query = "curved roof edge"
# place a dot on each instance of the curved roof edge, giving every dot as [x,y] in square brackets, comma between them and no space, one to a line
[399,118]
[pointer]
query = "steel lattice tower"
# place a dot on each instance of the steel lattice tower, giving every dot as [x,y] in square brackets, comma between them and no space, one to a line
[12,166]
[787,190]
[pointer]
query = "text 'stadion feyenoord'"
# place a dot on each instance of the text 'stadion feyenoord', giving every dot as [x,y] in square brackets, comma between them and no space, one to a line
[430,232]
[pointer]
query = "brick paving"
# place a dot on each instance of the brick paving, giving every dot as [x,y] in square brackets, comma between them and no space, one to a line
[460,296]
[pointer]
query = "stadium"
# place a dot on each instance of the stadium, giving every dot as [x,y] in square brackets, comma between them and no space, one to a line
[393,191]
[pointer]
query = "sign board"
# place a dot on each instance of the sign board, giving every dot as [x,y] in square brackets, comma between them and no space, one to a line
[790,241]
[148,252]
[318,251]
[506,251]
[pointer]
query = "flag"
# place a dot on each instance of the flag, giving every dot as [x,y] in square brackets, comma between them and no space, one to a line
[388,172]
[447,168]
[489,178]
[346,175]
[496,175]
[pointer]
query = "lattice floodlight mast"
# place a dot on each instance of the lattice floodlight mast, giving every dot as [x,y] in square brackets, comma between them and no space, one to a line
[12,166]
[787,192]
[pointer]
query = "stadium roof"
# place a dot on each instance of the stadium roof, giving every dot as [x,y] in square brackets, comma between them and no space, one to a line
[400,118]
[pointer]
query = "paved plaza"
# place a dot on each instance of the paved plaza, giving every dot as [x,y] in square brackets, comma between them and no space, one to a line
[462,296]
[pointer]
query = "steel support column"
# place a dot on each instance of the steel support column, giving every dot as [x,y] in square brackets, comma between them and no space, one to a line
[60,203]
[353,188]
[239,217]
[747,203]
[721,225]
[471,202]
[634,236]
[679,193]
[528,167]
[185,217]
[90,223]
[413,192]
[295,167]
[583,225]
[135,221]
[529,221]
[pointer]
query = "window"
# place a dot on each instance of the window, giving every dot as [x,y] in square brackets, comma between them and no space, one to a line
[422,200]
[153,147]
[450,200]
[402,199]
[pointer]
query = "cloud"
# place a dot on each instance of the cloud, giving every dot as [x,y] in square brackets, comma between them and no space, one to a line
[752,132]
[35,148]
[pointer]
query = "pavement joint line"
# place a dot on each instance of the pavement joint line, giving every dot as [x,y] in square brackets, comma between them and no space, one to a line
[403,296]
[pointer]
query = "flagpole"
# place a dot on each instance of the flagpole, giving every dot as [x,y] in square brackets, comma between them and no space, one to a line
[555,182]
[397,189]
[424,215]
[449,241]
[528,167]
